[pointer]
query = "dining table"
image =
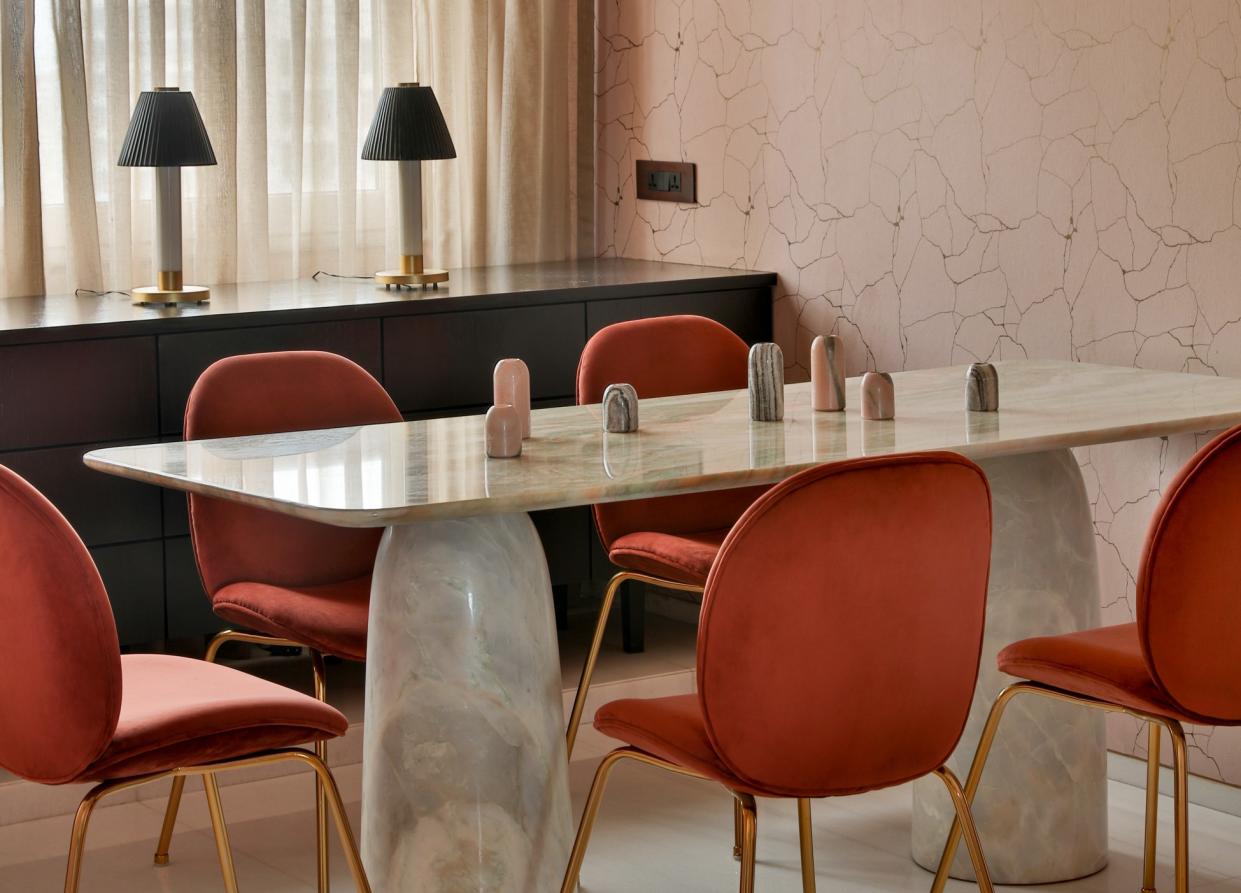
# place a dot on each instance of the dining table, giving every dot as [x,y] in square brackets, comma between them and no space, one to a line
[465,778]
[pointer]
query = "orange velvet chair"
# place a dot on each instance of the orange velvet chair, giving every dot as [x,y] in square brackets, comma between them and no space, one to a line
[1179,663]
[669,541]
[285,580]
[856,669]
[74,710]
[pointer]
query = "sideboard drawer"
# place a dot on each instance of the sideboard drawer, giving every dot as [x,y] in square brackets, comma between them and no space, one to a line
[102,508]
[182,358]
[77,392]
[133,574]
[746,311]
[445,360]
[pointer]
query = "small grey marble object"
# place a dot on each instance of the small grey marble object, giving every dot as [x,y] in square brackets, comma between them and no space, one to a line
[766,382]
[982,388]
[620,409]
[878,396]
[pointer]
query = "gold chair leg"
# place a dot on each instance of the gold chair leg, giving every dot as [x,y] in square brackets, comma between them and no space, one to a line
[736,829]
[77,839]
[587,824]
[223,849]
[749,840]
[592,657]
[1180,802]
[170,820]
[321,842]
[972,780]
[805,835]
[1152,807]
[337,806]
[965,819]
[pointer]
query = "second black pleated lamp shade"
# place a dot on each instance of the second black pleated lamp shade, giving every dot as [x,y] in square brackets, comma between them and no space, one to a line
[166,132]
[409,128]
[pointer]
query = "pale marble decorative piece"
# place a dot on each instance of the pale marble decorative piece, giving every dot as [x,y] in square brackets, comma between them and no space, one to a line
[766,383]
[827,374]
[464,774]
[620,409]
[503,436]
[1042,806]
[982,388]
[510,383]
[878,396]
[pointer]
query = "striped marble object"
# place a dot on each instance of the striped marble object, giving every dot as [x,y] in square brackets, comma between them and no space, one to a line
[620,409]
[878,396]
[766,383]
[827,374]
[982,388]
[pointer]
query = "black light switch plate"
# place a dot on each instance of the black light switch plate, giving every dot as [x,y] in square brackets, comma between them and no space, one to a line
[667,181]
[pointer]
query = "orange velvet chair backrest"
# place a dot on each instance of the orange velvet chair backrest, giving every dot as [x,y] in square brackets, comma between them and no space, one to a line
[262,394]
[856,668]
[60,664]
[1189,584]
[666,356]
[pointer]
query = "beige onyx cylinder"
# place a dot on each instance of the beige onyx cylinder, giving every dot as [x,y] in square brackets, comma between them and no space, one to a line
[827,374]
[510,384]
[503,432]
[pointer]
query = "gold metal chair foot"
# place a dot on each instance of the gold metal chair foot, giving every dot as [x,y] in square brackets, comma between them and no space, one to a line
[160,859]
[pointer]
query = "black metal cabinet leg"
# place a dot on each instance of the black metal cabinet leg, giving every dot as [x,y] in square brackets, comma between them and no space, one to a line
[633,617]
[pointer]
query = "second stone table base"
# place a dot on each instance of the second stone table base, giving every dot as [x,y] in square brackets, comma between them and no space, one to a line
[465,785]
[1041,808]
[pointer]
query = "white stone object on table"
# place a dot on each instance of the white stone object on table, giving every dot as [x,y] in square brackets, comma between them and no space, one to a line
[766,383]
[620,409]
[510,383]
[982,388]
[827,374]
[503,434]
[878,396]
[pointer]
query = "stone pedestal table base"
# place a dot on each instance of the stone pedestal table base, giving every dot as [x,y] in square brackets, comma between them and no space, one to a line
[1042,804]
[465,783]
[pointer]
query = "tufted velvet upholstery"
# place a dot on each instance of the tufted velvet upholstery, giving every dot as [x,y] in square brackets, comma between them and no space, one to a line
[857,667]
[663,357]
[73,709]
[1182,658]
[248,557]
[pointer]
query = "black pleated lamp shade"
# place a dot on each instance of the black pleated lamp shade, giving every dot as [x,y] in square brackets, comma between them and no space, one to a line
[408,126]
[166,131]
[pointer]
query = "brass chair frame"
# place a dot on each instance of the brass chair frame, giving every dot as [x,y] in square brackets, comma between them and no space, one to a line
[747,828]
[324,782]
[1180,771]
[321,804]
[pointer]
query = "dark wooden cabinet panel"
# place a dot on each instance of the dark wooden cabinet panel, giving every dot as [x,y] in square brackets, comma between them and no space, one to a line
[446,359]
[746,311]
[566,543]
[102,508]
[182,358]
[188,608]
[77,392]
[134,576]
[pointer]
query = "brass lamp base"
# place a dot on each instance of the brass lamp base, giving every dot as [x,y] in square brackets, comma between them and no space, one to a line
[411,273]
[154,296]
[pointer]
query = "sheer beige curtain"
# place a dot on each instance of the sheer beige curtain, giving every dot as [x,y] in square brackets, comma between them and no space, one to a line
[287,89]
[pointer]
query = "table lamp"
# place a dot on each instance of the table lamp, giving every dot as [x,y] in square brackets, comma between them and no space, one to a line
[409,129]
[167,133]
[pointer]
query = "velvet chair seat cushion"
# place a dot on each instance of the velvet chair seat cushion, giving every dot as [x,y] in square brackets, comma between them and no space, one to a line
[177,711]
[1104,663]
[670,728]
[683,558]
[330,617]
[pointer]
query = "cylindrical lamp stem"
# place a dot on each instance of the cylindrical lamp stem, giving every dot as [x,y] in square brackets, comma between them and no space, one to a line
[409,174]
[168,226]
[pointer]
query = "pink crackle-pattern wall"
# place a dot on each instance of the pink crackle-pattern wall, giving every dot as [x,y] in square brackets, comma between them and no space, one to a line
[941,181]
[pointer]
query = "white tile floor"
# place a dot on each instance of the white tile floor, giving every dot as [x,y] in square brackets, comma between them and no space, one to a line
[656,832]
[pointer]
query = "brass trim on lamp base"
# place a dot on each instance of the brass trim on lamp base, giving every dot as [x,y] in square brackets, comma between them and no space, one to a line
[154,296]
[411,273]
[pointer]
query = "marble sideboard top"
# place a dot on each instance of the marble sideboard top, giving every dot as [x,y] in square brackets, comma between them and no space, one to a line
[390,474]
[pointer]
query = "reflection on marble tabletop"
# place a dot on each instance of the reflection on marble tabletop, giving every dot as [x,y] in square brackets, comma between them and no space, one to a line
[385,474]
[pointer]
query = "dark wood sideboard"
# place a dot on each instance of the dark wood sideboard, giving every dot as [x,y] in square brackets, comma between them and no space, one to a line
[80,372]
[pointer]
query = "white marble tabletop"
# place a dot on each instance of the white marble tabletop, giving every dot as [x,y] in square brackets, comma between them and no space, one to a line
[391,474]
